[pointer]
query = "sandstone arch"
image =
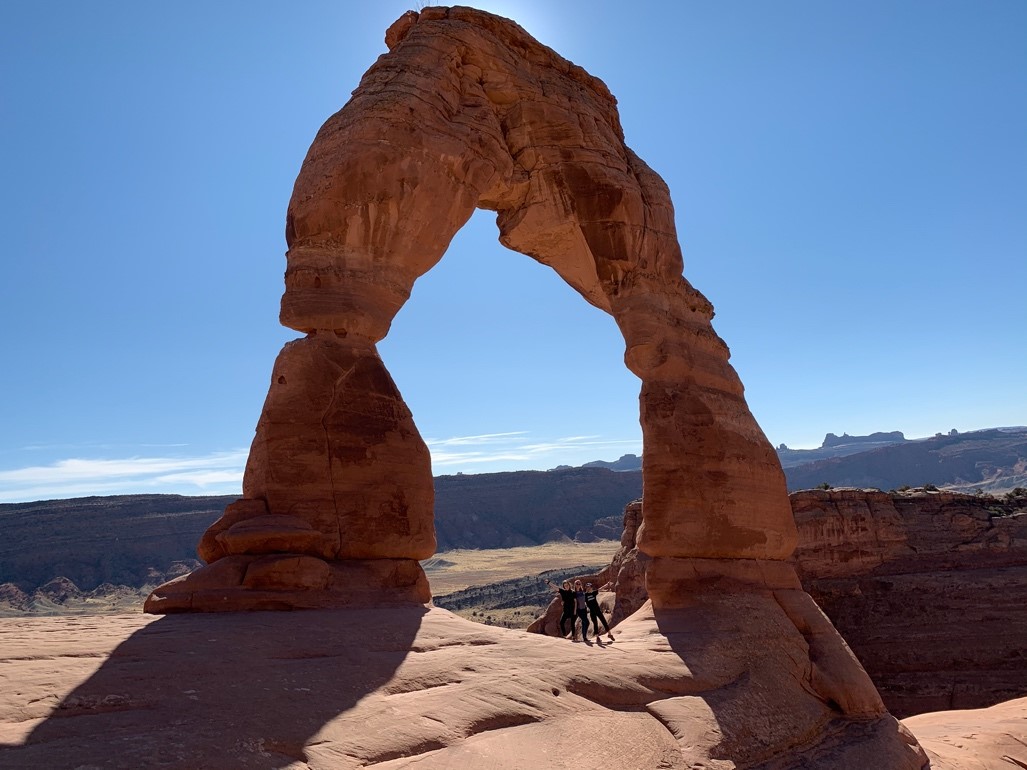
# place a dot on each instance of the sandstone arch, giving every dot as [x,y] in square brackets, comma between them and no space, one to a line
[731,660]
[468,111]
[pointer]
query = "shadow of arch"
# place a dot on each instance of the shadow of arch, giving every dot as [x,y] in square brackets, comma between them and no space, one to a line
[222,690]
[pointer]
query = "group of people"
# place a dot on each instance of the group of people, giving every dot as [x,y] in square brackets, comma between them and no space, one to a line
[580,602]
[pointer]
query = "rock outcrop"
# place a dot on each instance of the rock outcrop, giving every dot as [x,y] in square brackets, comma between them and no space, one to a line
[734,660]
[993,460]
[466,695]
[979,739]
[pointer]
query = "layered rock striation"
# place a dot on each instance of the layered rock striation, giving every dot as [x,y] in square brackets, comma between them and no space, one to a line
[928,588]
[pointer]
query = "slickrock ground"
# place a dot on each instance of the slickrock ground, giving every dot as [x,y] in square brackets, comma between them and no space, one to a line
[981,739]
[406,688]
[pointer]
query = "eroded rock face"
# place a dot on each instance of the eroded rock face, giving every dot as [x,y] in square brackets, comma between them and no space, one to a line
[929,589]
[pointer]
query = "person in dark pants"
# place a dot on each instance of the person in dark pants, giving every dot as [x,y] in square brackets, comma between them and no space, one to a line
[592,602]
[569,606]
[581,605]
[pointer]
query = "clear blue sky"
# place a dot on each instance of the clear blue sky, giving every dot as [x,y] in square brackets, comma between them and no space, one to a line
[850,181]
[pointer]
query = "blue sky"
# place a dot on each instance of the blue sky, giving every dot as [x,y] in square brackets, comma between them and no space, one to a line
[850,181]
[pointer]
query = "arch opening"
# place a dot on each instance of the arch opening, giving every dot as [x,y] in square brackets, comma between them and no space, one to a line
[494,345]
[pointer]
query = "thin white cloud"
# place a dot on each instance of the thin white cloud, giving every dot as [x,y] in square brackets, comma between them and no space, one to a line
[94,447]
[484,438]
[560,445]
[458,458]
[214,473]
[517,450]
[204,478]
[221,472]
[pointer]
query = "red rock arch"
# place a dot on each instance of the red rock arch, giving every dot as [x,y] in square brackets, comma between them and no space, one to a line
[468,111]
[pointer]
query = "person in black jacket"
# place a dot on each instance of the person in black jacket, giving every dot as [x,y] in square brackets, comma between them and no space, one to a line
[592,602]
[569,606]
[581,605]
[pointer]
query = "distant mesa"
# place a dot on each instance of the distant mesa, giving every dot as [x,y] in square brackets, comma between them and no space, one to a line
[989,460]
[99,540]
[993,461]
[625,463]
[892,437]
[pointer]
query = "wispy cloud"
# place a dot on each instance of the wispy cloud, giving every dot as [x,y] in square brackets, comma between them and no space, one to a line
[213,473]
[484,438]
[506,450]
[221,472]
[76,447]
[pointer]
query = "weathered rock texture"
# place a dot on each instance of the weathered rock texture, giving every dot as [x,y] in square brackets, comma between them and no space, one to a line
[981,739]
[468,111]
[421,688]
[929,589]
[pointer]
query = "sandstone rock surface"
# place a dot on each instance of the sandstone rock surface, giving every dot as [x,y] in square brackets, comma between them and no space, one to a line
[421,688]
[730,664]
[981,739]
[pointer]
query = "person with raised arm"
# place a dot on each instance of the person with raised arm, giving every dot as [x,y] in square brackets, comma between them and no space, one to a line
[569,606]
[592,602]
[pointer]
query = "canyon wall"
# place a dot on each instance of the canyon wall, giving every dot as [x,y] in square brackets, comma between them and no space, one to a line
[928,588]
